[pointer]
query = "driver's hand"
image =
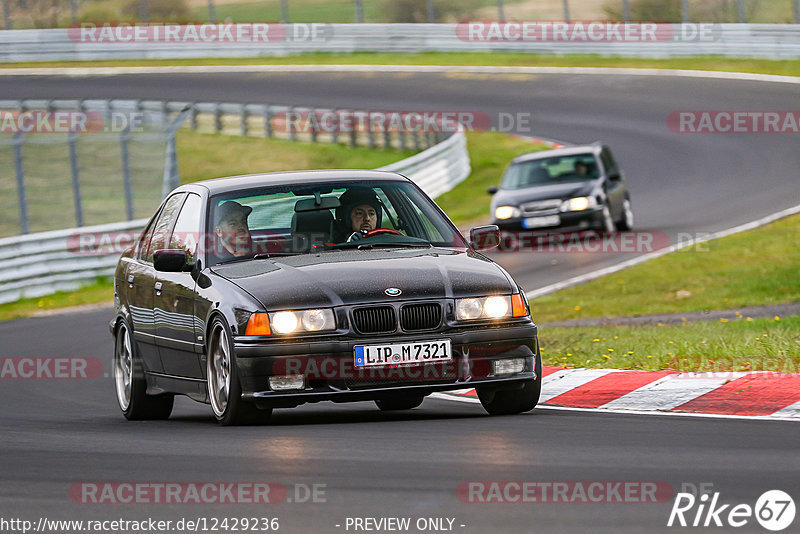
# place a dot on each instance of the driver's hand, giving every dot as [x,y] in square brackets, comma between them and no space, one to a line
[356,236]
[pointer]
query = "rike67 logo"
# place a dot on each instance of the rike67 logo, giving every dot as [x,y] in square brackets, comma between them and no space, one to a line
[774,510]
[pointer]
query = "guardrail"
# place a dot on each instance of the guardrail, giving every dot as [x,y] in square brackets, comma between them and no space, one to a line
[774,41]
[39,264]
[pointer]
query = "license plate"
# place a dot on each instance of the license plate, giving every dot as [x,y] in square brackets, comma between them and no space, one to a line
[403,353]
[539,222]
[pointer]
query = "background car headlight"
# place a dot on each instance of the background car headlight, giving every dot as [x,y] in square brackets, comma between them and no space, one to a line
[506,212]
[578,204]
[289,322]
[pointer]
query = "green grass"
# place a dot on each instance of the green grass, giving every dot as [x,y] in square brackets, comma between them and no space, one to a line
[757,267]
[788,67]
[755,345]
[101,291]
[204,156]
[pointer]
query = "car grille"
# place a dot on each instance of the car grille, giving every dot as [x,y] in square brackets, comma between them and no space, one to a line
[540,206]
[374,320]
[425,316]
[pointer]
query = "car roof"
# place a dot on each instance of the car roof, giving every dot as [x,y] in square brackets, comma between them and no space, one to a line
[249,181]
[594,148]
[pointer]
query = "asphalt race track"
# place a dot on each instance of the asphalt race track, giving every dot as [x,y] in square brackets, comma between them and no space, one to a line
[58,433]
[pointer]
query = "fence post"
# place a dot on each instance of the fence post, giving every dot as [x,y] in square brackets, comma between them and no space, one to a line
[370,132]
[243,120]
[124,137]
[797,11]
[73,10]
[685,11]
[143,11]
[212,14]
[217,117]
[268,121]
[6,16]
[285,11]
[566,10]
[431,11]
[359,11]
[23,206]
[740,9]
[76,178]
[626,10]
[171,175]
[501,14]
[290,125]
[194,113]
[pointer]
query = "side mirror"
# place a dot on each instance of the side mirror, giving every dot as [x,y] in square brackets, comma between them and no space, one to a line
[615,177]
[493,190]
[484,237]
[171,261]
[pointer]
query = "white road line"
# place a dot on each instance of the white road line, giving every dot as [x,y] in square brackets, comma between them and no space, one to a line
[476,69]
[792,411]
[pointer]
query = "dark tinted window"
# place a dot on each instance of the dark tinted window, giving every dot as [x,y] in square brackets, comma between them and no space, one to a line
[144,242]
[608,161]
[547,171]
[163,225]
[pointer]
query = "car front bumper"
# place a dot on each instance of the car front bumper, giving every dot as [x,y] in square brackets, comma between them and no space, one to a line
[329,373]
[574,221]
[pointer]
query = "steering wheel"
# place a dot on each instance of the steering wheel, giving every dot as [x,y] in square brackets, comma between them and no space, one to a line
[380,231]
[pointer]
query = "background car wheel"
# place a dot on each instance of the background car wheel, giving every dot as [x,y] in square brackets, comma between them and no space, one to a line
[609,227]
[130,383]
[222,380]
[405,403]
[626,223]
[513,401]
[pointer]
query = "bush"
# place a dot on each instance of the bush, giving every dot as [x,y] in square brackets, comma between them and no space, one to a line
[417,10]
[670,10]
[159,10]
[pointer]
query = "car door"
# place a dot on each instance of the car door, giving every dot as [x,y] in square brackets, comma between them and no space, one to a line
[140,278]
[614,186]
[175,296]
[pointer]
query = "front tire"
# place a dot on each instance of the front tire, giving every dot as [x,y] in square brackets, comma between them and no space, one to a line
[222,381]
[609,226]
[403,403]
[626,223]
[130,383]
[512,401]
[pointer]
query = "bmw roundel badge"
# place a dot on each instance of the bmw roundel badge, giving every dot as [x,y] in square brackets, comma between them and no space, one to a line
[393,292]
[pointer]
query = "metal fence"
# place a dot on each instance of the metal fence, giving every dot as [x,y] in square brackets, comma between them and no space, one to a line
[773,41]
[42,263]
[20,14]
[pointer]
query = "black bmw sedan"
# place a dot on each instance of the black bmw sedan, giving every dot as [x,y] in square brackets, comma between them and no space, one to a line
[269,291]
[568,189]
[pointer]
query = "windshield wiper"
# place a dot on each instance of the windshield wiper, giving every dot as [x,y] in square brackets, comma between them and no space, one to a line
[370,246]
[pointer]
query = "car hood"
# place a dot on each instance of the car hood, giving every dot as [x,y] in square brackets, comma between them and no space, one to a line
[562,191]
[359,276]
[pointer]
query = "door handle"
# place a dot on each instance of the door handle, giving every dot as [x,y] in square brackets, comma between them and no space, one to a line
[130,280]
[158,288]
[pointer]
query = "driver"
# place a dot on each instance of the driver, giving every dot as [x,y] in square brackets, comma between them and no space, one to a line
[581,168]
[359,212]
[232,230]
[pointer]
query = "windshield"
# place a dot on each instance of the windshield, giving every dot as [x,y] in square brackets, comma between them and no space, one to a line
[547,171]
[288,220]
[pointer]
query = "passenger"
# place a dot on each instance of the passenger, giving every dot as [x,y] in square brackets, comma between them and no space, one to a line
[359,213]
[581,169]
[232,231]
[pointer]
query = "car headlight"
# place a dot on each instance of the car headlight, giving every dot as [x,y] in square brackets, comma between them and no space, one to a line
[493,307]
[578,204]
[506,212]
[290,322]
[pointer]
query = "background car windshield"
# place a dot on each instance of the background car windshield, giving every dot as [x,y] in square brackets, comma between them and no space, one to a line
[551,170]
[310,218]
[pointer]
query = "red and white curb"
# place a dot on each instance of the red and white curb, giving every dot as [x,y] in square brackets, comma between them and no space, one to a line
[739,394]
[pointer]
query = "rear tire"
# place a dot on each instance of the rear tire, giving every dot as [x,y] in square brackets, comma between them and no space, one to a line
[222,381]
[513,401]
[626,223]
[609,226]
[404,403]
[130,383]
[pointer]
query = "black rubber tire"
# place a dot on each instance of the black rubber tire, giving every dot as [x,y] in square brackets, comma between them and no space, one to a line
[513,401]
[609,227]
[626,222]
[400,403]
[236,412]
[141,406]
